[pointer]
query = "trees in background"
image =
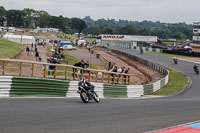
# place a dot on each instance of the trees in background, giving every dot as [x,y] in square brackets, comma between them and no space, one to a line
[30,18]
[2,15]
[178,31]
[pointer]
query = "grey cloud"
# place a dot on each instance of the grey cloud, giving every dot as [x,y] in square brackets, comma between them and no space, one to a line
[155,10]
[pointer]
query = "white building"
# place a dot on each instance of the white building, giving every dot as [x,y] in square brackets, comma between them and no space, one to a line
[196,32]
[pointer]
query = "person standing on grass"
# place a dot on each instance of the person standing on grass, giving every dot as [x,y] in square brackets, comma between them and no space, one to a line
[27,50]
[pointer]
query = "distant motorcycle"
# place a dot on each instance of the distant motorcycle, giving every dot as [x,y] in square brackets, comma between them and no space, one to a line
[175,60]
[196,69]
[86,91]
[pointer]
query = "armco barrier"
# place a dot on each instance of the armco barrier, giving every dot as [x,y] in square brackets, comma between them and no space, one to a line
[42,87]
[24,86]
[27,86]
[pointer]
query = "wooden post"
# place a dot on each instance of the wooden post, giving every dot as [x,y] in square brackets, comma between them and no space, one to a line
[65,73]
[3,66]
[102,77]
[54,76]
[96,76]
[108,78]
[44,71]
[74,69]
[32,69]
[122,79]
[20,69]
[82,72]
[89,76]
[129,80]
[113,78]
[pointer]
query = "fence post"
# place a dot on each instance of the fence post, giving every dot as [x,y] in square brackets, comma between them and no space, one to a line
[89,76]
[32,69]
[44,71]
[102,77]
[54,76]
[96,76]
[20,69]
[122,79]
[3,72]
[108,78]
[128,79]
[65,73]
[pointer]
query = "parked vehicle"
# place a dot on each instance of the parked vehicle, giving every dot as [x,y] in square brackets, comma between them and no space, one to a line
[69,47]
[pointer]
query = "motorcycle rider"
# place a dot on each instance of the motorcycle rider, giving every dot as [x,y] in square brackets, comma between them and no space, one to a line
[196,68]
[175,60]
[85,84]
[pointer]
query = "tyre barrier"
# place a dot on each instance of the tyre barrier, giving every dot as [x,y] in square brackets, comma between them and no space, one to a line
[13,86]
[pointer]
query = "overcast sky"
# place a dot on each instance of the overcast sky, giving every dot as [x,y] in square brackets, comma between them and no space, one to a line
[136,10]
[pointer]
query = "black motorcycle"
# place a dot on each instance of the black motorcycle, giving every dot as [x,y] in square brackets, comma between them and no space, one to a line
[86,91]
[196,69]
[175,60]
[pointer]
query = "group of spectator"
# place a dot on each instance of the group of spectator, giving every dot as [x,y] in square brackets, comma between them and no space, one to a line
[113,68]
[55,59]
[31,51]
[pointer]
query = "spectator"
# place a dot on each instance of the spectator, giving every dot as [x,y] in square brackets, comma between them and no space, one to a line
[79,64]
[51,68]
[109,65]
[112,67]
[126,72]
[27,50]
[37,56]
[36,50]
[31,51]
[32,45]
[114,70]
[86,65]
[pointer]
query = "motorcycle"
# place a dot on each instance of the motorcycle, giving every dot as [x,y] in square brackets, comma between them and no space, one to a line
[196,69]
[175,60]
[86,94]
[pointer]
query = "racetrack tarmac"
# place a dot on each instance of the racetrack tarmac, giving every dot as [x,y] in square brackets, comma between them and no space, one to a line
[63,115]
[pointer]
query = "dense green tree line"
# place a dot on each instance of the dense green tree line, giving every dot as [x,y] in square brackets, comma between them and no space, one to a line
[162,30]
[30,18]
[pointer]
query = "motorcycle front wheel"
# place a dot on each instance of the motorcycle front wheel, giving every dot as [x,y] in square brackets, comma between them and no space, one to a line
[96,97]
[84,97]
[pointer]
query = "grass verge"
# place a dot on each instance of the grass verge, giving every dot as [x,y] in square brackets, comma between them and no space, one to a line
[176,83]
[9,49]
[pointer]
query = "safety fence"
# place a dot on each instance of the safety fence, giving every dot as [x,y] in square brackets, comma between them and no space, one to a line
[129,45]
[11,67]
[14,86]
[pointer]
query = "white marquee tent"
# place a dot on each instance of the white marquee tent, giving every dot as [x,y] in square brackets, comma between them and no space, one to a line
[20,38]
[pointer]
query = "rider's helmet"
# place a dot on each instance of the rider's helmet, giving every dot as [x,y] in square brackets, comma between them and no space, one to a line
[82,79]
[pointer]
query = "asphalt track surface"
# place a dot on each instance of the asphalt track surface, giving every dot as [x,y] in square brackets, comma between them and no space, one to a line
[61,115]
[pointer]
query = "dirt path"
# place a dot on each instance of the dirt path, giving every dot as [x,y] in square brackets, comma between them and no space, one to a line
[140,74]
[38,69]
[82,53]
